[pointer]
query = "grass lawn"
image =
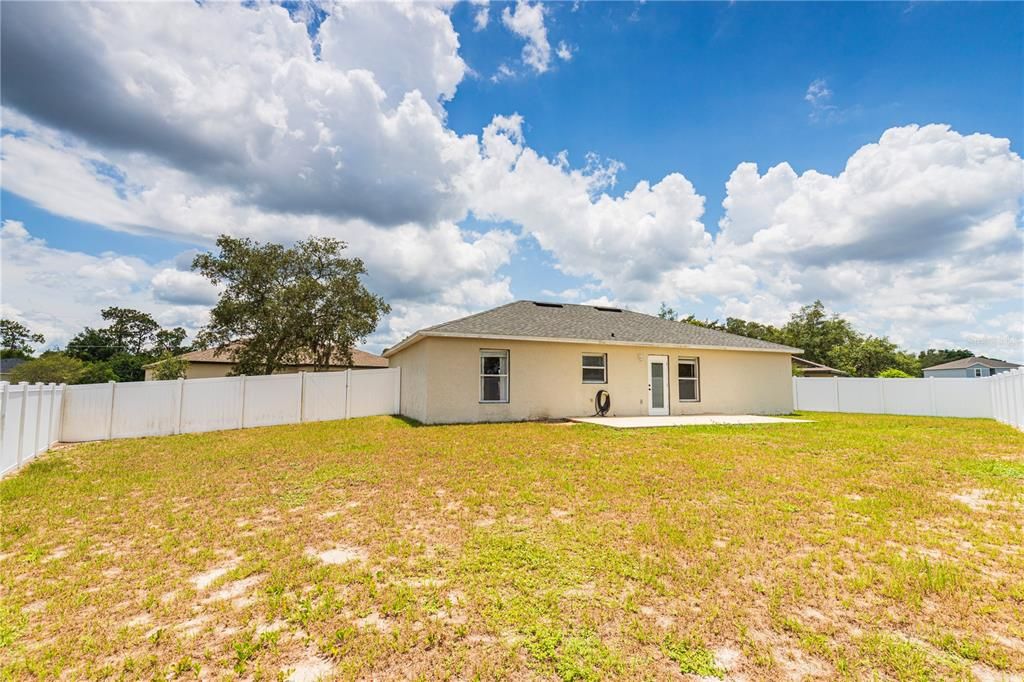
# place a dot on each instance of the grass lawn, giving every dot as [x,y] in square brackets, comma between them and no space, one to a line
[856,546]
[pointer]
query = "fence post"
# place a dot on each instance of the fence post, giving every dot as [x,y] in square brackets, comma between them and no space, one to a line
[881,394]
[302,396]
[39,419]
[181,402]
[241,403]
[110,417]
[63,410]
[993,382]
[348,393]
[21,421]
[796,393]
[49,416]
[835,384]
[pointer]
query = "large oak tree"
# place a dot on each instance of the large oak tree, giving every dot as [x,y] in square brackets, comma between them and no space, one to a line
[281,305]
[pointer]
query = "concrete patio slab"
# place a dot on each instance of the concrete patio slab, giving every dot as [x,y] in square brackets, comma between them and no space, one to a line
[685,420]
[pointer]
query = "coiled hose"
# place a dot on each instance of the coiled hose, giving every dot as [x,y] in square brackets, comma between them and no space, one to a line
[602,403]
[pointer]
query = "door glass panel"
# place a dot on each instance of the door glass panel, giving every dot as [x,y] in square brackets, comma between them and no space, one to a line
[657,384]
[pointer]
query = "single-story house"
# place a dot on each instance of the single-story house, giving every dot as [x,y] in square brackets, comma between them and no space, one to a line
[534,360]
[970,367]
[807,368]
[210,363]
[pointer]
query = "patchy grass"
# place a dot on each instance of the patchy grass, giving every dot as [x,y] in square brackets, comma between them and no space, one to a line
[855,546]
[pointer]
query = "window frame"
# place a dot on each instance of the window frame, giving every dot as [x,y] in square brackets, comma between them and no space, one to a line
[584,367]
[695,361]
[506,375]
[979,372]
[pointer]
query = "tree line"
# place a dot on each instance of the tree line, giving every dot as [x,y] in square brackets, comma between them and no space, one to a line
[304,304]
[828,339]
[115,352]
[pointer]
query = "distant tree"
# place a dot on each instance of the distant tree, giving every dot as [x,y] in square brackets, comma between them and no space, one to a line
[170,342]
[753,330]
[708,324]
[131,331]
[894,374]
[284,302]
[132,339]
[170,367]
[872,356]
[96,373]
[666,313]
[16,340]
[93,345]
[818,333]
[51,367]
[934,356]
[129,367]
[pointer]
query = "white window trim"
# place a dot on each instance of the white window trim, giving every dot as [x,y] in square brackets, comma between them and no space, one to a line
[585,366]
[508,383]
[695,379]
[978,372]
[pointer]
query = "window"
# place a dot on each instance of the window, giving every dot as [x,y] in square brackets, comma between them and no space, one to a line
[595,368]
[689,380]
[978,372]
[494,376]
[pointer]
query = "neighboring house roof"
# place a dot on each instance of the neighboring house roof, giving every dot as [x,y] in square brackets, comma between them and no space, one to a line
[964,363]
[7,364]
[566,322]
[360,358]
[811,367]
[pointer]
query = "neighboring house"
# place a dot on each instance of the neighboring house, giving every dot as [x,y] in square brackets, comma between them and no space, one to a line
[969,367]
[531,360]
[6,365]
[808,368]
[205,364]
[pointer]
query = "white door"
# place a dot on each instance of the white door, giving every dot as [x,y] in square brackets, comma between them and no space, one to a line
[657,385]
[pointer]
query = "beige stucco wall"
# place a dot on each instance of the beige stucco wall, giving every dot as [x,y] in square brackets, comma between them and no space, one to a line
[440,381]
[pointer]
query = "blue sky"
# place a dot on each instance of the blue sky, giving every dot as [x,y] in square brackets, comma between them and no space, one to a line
[654,90]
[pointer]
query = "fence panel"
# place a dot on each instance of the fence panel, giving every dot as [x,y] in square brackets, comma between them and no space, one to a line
[212,404]
[374,391]
[29,422]
[145,408]
[272,400]
[816,395]
[13,403]
[1008,398]
[325,396]
[32,405]
[962,397]
[860,395]
[87,412]
[905,396]
[1000,397]
[33,417]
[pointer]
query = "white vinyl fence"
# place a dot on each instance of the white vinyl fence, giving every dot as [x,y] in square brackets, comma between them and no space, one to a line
[35,417]
[999,397]
[29,421]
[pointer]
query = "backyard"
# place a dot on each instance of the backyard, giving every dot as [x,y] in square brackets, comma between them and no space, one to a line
[854,546]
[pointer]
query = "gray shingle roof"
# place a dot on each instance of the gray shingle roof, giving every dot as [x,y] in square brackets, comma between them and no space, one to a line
[964,363]
[528,319]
